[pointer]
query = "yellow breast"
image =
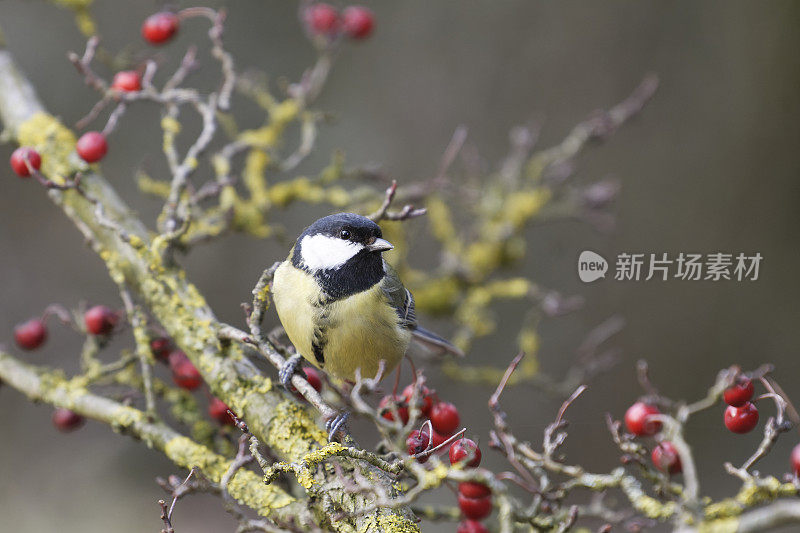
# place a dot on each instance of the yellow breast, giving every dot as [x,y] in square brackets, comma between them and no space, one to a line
[360,330]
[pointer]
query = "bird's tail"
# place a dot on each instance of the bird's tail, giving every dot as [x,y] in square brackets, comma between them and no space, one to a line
[433,342]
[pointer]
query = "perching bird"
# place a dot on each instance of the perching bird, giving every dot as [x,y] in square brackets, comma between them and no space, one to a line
[342,306]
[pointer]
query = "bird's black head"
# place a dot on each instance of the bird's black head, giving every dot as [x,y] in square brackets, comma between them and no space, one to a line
[343,251]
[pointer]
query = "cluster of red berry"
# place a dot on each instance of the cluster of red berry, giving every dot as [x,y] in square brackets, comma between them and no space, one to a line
[741,416]
[640,420]
[356,22]
[186,376]
[474,499]
[92,146]
[98,321]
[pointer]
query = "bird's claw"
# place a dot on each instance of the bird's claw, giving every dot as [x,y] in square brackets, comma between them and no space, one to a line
[337,424]
[288,370]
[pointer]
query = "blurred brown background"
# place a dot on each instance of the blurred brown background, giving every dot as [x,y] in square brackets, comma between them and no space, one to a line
[711,165]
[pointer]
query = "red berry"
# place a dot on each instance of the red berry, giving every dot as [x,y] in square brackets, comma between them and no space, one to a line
[218,410]
[127,81]
[313,378]
[92,146]
[438,439]
[384,408]
[417,442]
[65,420]
[31,334]
[471,489]
[161,347]
[638,418]
[666,458]
[739,393]
[424,398]
[184,373]
[471,526]
[160,27]
[444,417]
[322,19]
[357,22]
[100,320]
[795,458]
[741,419]
[465,450]
[19,157]
[475,508]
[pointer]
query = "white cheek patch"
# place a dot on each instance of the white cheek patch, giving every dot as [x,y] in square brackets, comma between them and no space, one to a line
[321,252]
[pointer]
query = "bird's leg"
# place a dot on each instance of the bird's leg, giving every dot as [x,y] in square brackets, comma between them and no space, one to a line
[288,370]
[336,424]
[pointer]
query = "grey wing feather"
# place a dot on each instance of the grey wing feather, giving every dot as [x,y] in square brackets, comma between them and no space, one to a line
[403,302]
[400,298]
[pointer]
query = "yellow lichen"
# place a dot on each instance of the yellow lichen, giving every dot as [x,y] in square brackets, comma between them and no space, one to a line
[723,525]
[293,432]
[54,141]
[151,186]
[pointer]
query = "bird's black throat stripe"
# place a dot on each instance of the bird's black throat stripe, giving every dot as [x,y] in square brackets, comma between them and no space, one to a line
[358,274]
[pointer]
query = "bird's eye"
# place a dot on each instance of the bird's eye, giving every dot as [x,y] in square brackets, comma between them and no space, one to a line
[344,234]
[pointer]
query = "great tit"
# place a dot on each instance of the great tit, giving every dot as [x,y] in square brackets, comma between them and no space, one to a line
[341,305]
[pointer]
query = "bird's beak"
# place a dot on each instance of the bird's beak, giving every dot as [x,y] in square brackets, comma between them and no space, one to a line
[380,245]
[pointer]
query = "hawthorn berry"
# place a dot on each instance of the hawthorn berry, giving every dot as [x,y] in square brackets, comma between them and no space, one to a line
[161,347]
[18,161]
[357,22]
[741,419]
[475,508]
[218,410]
[31,334]
[666,458]
[100,320]
[184,373]
[322,19]
[160,27]
[385,409]
[465,450]
[92,146]
[472,489]
[739,393]
[795,458]
[444,417]
[127,81]
[438,439]
[471,526]
[638,419]
[65,420]
[313,378]
[424,398]
[417,442]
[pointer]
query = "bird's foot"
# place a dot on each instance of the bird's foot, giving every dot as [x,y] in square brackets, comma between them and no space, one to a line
[337,424]
[288,370]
